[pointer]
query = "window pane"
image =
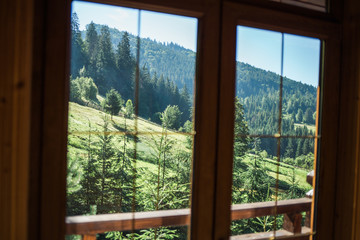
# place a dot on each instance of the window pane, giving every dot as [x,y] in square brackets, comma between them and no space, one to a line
[270,164]
[301,80]
[257,78]
[130,143]
[295,164]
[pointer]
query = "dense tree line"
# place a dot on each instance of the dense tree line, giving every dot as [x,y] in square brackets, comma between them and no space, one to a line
[96,64]
[101,179]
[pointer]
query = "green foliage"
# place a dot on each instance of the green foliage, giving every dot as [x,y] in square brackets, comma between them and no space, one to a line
[78,55]
[113,102]
[85,87]
[308,116]
[299,116]
[129,109]
[73,174]
[240,130]
[170,118]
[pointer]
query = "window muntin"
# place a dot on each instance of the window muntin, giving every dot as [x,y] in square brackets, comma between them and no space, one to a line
[271,165]
[138,157]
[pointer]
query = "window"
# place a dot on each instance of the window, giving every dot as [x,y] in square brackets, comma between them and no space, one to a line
[213,141]
[130,136]
[274,138]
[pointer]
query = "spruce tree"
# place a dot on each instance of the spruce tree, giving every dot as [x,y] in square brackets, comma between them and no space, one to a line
[78,57]
[113,102]
[91,43]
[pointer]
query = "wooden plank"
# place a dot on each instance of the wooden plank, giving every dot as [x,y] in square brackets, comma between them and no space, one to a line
[125,221]
[251,210]
[346,221]
[272,19]
[142,220]
[89,237]
[280,234]
[54,79]
[262,236]
[325,167]
[206,122]
[292,222]
[226,116]
[15,105]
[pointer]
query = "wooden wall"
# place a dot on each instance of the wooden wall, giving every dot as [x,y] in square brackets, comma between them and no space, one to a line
[33,67]
[15,84]
[347,219]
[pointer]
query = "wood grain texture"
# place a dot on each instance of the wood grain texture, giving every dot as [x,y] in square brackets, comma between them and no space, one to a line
[226,126]
[15,86]
[292,222]
[54,80]
[143,220]
[251,210]
[347,167]
[89,237]
[280,234]
[206,122]
[273,19]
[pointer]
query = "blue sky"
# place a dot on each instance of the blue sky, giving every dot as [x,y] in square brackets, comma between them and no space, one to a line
[260,48]
[159,26]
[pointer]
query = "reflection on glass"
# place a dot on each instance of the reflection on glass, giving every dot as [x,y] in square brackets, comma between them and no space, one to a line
[129,152]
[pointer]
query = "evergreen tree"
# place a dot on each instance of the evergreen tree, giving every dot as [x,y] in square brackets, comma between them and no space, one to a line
[299,116]
[113,102]
[308,116]
[91,45]
[78,58]
[90,189]
[105,62]
[106,169]
[126,66]
[290,151]
[170,118]
[240,130]
[129,109]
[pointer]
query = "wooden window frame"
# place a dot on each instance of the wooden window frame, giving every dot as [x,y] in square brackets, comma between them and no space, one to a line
[41,170]
[254,16]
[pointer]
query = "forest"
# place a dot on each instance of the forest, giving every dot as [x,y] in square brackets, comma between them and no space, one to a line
[125,156]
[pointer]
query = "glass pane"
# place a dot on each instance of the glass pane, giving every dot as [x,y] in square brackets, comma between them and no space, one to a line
[301,80]
[130,142]
[270,166]
[258,56]
[254,170]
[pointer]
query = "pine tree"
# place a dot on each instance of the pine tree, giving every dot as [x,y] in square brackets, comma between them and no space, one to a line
[240,131]
[106,169]
[125,63]
[78,57]
[91,44]
[113,102]
[105,62]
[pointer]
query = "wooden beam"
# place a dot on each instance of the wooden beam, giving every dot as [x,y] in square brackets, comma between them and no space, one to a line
[89,237]
[126,221]
[292,222]
[251,210]
[143,220]
[280,234]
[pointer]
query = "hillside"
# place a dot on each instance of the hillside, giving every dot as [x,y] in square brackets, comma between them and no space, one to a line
[85,122]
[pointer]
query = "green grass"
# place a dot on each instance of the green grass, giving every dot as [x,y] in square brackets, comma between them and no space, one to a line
[285,171]
[81,116]
[301,125]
